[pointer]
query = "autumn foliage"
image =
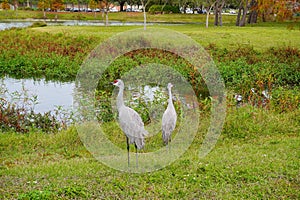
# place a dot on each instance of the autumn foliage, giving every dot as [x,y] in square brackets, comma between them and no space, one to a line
[57,5]
[278,10]
[5,5]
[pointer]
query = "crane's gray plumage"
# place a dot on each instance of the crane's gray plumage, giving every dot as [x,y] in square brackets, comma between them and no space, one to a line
[169,118]
[130,121]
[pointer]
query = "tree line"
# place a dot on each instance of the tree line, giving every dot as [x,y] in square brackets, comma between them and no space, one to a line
[248,11]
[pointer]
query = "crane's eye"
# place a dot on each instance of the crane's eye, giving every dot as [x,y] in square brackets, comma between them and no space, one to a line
[115,81]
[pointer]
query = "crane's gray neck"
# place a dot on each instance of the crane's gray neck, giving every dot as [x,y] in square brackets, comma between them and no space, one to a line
[170,95]
[120,100]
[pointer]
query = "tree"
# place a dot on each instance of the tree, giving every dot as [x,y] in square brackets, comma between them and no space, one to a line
[14,3]
[209,4]
[121,3]
[56,5]
[252,18]
[265,8]
[105,5]
[86,3]
[242,13]
[144,4]
[183,4]
[73,3]
[5,5]
[79,3]
[44,4]
[218,12]
[93,6]
[272,10]
[283,9]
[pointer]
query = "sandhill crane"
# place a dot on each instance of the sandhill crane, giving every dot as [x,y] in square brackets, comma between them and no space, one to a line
[130,121]
[169,118]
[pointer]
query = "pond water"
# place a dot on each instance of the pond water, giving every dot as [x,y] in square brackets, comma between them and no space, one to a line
[49,94]
[8,25]
[22,24]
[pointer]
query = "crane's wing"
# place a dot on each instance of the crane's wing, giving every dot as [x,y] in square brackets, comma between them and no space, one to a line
[168,124]
[169,120]
[133,126]
[134,116]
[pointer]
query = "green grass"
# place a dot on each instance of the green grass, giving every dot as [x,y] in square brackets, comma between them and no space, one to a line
[247,163]
[122,16]
[119,16]
[57,51]
[259,37]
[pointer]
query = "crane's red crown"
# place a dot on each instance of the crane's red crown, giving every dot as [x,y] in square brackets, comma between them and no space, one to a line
[115,81]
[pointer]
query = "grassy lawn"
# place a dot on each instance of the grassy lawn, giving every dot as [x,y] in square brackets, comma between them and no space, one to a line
[259,160]
[119,16]
[260,38]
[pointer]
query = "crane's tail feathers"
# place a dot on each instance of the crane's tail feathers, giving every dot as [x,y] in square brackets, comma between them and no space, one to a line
[165,137]
[140,143]
[145,133]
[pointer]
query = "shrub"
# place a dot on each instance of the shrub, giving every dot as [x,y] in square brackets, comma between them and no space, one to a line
[163,9]
[38,24]
[285,54]
[285,99]
[244,67]
[20,119]
[28,8]
[38,55]
[171,9]
[18,114]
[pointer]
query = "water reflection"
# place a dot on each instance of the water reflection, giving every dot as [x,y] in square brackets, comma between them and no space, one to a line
[22,24]
[52,94]
[8,25]
[49,94]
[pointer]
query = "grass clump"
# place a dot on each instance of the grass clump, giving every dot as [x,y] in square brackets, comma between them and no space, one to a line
[39,55]
[38,24]
[17,114]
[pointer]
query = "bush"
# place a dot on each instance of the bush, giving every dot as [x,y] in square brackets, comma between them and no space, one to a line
[38,24]
[18,114]
[284,100]
[21,119]
[171,9]
[27,8]
[37,55]
[163,9]
[244,67]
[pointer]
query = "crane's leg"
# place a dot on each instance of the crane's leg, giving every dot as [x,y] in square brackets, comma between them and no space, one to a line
[127,140]
[170,143]
[167,146]
[136,156]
